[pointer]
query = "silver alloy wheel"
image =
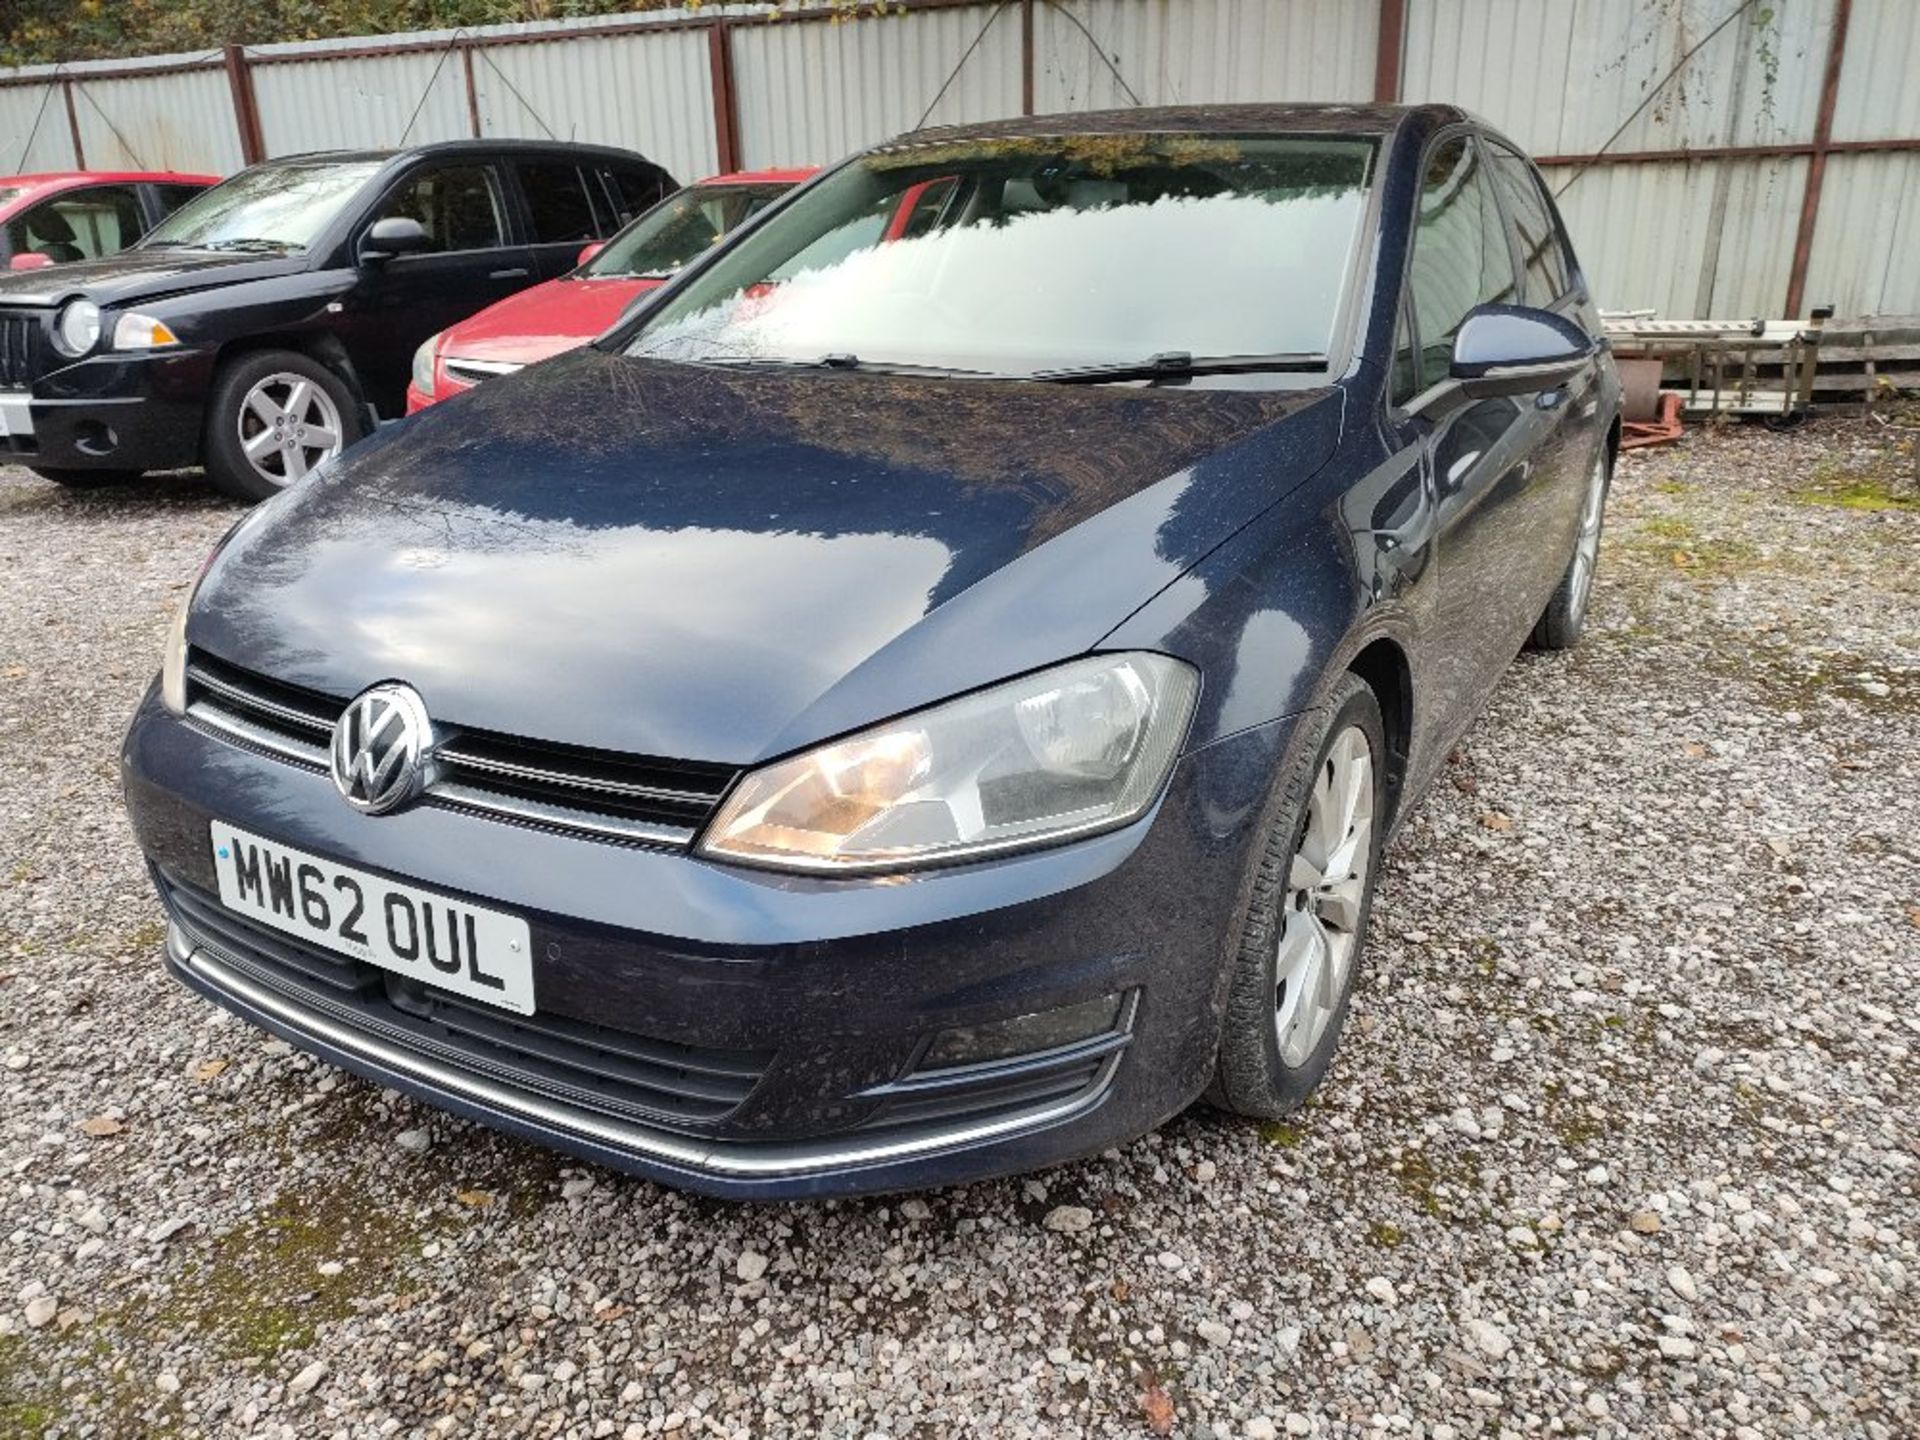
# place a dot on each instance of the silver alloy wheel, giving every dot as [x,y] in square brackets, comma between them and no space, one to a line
[1586,553]
[288,424]
[1326,890]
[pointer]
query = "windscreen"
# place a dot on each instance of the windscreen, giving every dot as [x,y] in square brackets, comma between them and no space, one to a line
[1011,256]
[270,207]
[680,228]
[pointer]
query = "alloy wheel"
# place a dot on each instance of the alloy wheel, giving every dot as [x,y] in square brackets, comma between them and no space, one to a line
[1325,898]
[288,424]
[1586,553]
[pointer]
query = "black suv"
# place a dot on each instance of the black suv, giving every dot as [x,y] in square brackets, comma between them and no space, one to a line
[266,324]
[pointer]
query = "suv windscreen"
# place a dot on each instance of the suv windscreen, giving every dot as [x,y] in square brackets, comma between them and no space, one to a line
[1044,254]
[270,207]
[680,228]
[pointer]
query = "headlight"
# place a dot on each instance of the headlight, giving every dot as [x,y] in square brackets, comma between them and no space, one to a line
[134,331]
[1067,751]
[77,330]
[423,365]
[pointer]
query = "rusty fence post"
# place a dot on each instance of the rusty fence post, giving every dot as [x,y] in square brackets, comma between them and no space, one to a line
[1388,51]
[726,108]
[246,109]
[1817,161]
[73,127]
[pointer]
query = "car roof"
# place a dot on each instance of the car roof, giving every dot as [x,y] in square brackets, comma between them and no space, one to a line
[1266,119]
[465,147]
[62,179]
[791,176]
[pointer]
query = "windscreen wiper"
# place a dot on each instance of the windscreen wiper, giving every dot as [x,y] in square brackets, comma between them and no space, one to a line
[840,360]
[248,243]
[1180,364]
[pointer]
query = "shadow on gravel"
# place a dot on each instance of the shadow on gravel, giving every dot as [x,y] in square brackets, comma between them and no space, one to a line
[21,491]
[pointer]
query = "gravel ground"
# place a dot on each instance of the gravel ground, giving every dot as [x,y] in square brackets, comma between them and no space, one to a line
[1622,1141]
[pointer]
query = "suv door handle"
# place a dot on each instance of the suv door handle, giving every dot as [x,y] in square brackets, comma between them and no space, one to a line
[519,272]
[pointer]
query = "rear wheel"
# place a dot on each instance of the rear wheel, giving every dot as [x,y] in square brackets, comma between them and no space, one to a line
[275,415]
[1560,625]
[86,479]
[1306,922]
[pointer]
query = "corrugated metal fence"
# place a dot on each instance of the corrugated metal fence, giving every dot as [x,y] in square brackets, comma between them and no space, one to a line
[1723,157]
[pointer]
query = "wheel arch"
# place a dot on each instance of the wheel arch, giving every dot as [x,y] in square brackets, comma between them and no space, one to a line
[1382,664]
[321,346]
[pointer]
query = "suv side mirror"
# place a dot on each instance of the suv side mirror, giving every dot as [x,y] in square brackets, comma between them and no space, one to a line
[391,237]
[589,250]
[1517,350]
[30,260]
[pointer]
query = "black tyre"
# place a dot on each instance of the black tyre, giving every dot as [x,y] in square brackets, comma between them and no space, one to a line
[1564,620]
[274,415]
[86,479]
[1304,931]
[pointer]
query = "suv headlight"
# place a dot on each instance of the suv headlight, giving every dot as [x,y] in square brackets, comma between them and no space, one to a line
[423,365]
[1063,752]
[134,331]
[76,330]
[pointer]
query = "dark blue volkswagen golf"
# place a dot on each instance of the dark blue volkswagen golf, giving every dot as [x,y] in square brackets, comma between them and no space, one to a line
[924,697]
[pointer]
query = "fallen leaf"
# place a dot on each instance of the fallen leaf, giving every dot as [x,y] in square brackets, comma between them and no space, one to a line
[479,1199]
[1466,784]
[1682,560]
[1120,1290]
[1494,820]
[1913,914]
[100,1126]
[1158,1406]
[1696,751]
[15,672]
[209,1069]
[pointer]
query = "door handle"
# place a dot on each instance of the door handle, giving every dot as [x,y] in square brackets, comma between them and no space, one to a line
[519,272]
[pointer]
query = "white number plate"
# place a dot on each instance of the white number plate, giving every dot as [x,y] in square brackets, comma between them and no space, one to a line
[480,954]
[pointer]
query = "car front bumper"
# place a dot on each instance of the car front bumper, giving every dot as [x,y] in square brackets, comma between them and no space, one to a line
[111,412]
[833,989]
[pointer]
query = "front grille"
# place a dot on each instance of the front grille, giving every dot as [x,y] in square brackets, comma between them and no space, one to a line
[19,347]
[612,1072]
[565,787]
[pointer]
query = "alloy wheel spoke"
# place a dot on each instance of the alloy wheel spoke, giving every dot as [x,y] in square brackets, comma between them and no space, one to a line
[296,461]
[261,445]
[269,413]
[322,437]
[299,401]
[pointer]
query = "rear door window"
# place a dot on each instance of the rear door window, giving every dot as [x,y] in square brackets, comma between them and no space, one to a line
[80,224]
[638,191]
[1460,254]
[1541,253]
[557,202]
[458,206]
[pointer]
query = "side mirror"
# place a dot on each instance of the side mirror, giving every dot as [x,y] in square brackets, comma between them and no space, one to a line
[1517,350]
[589,250]
[392,237]
[30,260]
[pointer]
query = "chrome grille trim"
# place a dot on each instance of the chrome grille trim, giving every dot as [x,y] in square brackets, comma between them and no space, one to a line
[474,371]
[455,796]
[452,753]
[257,737]
[607,796]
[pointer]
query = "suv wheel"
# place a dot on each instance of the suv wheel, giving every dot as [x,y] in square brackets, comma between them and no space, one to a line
[1306,920]
[274,416]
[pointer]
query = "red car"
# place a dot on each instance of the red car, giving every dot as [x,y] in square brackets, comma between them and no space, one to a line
[84,214]
[571,310]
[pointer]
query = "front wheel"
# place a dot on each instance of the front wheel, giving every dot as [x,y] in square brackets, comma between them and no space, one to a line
[1306,919]
[1561,624]
[274,416]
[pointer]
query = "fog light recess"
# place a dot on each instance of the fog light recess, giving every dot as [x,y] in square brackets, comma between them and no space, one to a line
[1029,1034]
